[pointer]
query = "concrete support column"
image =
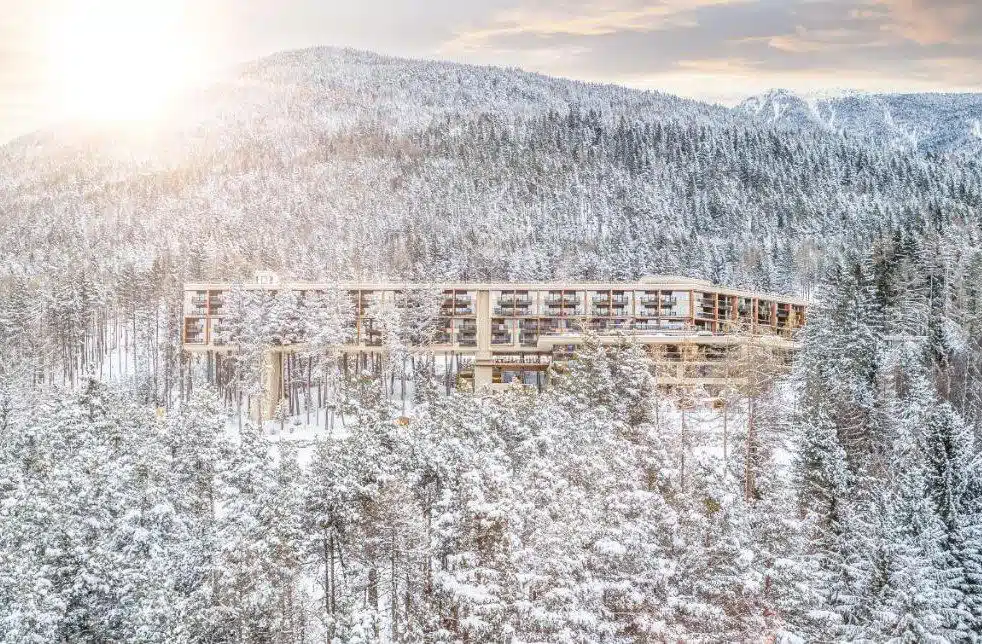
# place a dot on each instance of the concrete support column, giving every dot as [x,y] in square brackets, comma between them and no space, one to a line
[272,375]
[483,370]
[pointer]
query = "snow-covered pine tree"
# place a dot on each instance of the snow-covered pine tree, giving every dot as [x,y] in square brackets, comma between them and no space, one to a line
[945,456]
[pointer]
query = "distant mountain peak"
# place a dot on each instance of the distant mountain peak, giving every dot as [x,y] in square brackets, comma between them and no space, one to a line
[941,123]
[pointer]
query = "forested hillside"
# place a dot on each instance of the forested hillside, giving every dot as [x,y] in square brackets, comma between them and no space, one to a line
[334,164]
[932,123]
[841,502]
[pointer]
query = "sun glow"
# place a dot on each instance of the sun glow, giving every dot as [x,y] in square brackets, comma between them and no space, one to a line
[118,60]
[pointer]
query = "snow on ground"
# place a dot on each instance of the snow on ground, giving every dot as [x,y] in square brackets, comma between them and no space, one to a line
[712,433]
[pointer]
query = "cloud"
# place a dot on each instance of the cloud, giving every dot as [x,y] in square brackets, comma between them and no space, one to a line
[933,22]
[815,41]
[597,19]
[720,50]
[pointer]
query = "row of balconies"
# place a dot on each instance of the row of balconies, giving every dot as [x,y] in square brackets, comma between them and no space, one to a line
[614,309]
[561,312]
[786,317]
[558,309]
[453,299]
[658,299]
[606,297]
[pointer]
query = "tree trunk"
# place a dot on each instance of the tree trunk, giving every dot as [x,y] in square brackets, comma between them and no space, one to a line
[749,478]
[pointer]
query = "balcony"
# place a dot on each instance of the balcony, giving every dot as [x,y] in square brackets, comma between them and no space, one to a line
[194,331]
[372,337]
[765,313]
[529,338]
[514,300]
[506,312]
[501,331]
[566,299]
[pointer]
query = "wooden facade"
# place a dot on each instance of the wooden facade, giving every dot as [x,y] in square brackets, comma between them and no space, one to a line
[507,331]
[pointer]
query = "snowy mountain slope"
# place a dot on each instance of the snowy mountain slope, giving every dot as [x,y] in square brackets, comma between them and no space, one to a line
[326,163]
[294,97]
[942,123]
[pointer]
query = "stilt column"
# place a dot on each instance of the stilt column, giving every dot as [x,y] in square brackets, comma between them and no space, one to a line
[483,370]
[272,377]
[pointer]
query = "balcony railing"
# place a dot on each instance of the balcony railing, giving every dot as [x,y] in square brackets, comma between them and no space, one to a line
[508,312]
[563,299]
[515,300]
[529,339]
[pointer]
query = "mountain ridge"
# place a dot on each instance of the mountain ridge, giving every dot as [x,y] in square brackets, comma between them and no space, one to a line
[930,122]
[934,122]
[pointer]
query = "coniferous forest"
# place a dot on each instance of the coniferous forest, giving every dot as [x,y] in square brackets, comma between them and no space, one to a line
[840,501]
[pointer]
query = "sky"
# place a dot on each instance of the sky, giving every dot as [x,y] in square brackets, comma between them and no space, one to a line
[66,58]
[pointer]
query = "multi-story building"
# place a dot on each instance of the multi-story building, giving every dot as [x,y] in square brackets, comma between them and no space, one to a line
[505,332]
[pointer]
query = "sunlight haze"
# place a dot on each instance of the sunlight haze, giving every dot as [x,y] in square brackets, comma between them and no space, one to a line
[110,59]
[117,60]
